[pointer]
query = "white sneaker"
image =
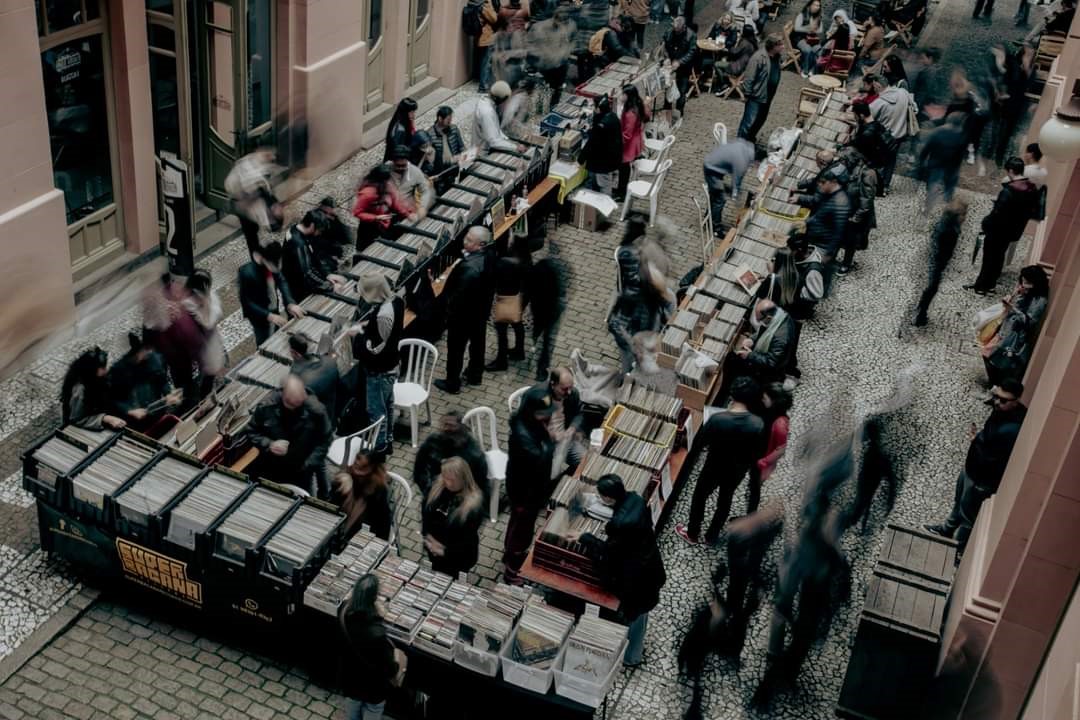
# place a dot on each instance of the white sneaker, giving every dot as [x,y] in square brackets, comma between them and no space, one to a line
[790,383]
[971,156]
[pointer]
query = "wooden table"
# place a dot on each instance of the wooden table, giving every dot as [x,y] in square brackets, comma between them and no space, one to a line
[826,82]
[245,460]
[536,195]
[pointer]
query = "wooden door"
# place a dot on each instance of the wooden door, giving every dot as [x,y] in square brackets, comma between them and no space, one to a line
[376,80]
[419,42]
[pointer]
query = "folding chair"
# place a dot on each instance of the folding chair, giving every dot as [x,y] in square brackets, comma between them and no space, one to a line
[647,167]
[839,64]
[343,450]
[719,133]
[790,54]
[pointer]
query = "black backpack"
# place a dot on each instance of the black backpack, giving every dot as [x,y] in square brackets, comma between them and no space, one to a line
[1038,208]
[472,21]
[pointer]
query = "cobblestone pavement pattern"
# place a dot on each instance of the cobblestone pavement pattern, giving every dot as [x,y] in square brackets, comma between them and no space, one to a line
[114,663]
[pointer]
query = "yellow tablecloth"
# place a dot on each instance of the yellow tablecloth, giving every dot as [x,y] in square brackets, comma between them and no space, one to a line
[568,184]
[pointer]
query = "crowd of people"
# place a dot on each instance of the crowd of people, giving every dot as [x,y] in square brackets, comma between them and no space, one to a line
[176,358]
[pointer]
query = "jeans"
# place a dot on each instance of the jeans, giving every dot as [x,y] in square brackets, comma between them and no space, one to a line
[360,710]
[635,647]
[545,339]
[967,500]
[483,60]
[380,404]
[984,9]
[809,57]
[604,183]
[749,118]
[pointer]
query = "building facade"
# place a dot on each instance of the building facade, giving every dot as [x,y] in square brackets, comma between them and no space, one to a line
[99,94]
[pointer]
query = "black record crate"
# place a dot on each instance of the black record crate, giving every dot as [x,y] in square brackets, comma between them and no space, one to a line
[152,533]
[197,556]
[293,581]
[47,484]
[222,563]
[103,516]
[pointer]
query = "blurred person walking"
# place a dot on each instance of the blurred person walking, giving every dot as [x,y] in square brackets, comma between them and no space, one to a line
[942,246]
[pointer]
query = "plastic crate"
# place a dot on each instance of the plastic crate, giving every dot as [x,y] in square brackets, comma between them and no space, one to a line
[298,577]
[103,515]
[582,690]
[479,661]
[47,484]
[196,555]
[151,533]
[538,680]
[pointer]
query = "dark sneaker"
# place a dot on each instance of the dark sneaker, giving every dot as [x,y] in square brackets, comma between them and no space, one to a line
[496,366]
[447,387]
[920,320]
[517,355]
[939,530]
[681,531]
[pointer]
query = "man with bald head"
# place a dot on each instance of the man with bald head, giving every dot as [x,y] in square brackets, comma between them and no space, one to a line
[468,294]
[292,432]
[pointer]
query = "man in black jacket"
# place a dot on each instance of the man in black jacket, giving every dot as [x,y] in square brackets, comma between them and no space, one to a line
[861,190]
[292,432]
[987,457]
[603,152]
[829,217]
[680,46]
[1004,224]
[468,295]
[528,475]
[319,373]
[139,385]
[299,262]
[767,355]
[259,282]
[731,441]
[940,158]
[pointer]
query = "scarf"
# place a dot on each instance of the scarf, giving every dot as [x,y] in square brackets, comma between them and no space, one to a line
[765,339]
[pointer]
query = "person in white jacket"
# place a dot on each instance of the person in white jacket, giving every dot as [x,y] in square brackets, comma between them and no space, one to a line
[891,110]
[487,132]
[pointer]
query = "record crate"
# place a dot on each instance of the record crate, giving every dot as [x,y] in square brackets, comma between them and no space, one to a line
[51,484]
[285,576]
[148,528]
[569,559]
[102,514]
[192,545]
[263,510]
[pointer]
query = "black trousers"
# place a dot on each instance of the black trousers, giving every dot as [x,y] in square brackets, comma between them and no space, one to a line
[983,7]
[939,261]
[993,260]
[705,487]
[556,78]
[544,338]
[458,337]
[251,232]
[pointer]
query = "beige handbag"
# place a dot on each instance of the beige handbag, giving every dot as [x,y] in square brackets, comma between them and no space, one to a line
[508,308]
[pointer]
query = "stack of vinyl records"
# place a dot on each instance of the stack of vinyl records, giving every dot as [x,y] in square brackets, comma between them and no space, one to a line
[146,497]
[566,493]
[349,290]
[262,371]
[731,294]
[685,320]
[439,629]
[642,426]
[249,522]
[593,648]
[487,623]
[480,182]
[638,452]
[309,530]
[277,346]
[393,573]
[540,634]
[59,455]
[716,349]
[693,374]
[110,470]
[644,399]
[413,602]
[327,308]
[564,522]
[202,506]
[339,574]
[720,331]
[671,341]
[757,264]
[385,255]
[702,304]
[596,466]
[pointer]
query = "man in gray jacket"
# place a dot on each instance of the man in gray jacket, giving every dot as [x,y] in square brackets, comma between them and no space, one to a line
[891,110]
[760,80]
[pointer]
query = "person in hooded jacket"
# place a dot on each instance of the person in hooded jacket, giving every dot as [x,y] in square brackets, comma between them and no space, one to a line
[630,560]
[528,475]
[138,381]
[891,110]
[604,150]
[1005,223]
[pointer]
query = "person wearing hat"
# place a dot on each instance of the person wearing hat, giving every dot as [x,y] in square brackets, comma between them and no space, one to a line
[487,130]
[410,181]
[259,283]
[319,372]
[139,385]
[829,212]
[375,347]
[468,294]
[528,475]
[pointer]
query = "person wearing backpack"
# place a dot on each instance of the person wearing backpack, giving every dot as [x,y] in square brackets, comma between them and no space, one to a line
[1015,205]
[893,109]
[872,139]
[479,19]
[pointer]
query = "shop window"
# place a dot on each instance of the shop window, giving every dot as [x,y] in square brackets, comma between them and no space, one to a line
[75,102]
[375,14]
[259,79]
[166,103]
[161,6]
[422,7]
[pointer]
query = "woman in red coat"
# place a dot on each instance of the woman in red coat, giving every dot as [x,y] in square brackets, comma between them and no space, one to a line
[634,117]
[377,202]
[776,401]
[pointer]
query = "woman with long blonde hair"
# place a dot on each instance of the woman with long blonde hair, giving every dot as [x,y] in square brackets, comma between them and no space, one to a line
[452,513]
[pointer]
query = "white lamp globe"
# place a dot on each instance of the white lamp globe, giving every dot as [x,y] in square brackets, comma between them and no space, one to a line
[1059,138]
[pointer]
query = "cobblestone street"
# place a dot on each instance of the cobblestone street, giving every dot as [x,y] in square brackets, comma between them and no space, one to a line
[65,651]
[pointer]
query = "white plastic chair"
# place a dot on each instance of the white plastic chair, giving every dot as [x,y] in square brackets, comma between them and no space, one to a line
[719,132]
[343,450]
[481,422]
[646,190]
[400,497]
[414,387]
[618,273]
[514,401]
[645,167]
[708,240]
